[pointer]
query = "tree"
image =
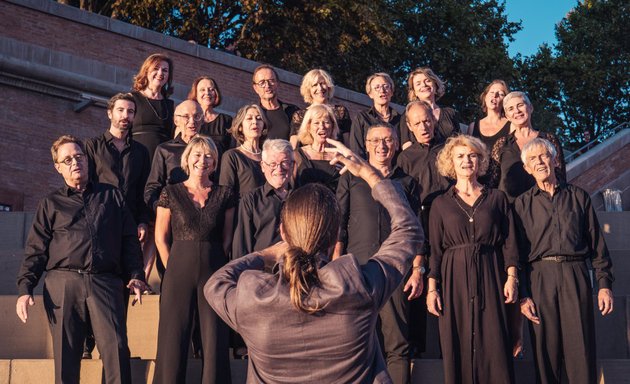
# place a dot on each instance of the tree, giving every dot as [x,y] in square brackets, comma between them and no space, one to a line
[588,71]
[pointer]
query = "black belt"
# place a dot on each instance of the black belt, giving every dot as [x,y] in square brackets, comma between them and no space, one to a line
[77,270]
[562,259]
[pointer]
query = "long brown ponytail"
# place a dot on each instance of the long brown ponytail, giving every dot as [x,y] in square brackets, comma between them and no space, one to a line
[310,222]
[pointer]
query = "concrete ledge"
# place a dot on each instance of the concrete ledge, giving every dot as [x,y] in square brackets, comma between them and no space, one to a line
[597,154]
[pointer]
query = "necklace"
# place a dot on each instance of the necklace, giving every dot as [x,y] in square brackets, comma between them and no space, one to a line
[470,217]
[254,152]
[155,112]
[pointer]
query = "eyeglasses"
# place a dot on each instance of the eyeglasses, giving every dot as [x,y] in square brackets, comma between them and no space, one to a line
[382,87]
[195,117]
[285,164]
[376,141]
[268,83]
[68,160]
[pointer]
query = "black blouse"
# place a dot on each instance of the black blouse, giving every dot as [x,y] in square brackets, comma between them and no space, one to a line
[240,172]
[315,171]
[153,121]
[217,129]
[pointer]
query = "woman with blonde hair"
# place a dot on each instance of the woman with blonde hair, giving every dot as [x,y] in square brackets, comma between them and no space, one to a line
[152,85]
[473,268]
[313,321]
[318,88]
[193,233]
[311,159]
[423,84]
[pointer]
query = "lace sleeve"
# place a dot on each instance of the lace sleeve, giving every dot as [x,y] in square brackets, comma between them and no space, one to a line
[296,121]
[494,166]
[561,169]
[164,199]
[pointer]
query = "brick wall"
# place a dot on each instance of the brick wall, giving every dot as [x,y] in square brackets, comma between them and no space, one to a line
[605,171]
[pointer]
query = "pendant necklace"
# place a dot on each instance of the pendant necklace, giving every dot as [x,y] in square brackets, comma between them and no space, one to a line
[470,217]
[155,112]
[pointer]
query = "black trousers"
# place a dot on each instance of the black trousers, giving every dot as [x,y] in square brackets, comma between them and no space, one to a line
[394,335]
[72,302]
[181,298]
[563,297]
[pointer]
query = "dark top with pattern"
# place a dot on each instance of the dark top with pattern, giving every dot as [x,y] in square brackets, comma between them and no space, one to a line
[165,169]
[315,171]
[153,121]
[564,224]
[128,170]
[240,172]
[258,221]
[447,126]
[506,170]
[217,129]
[342,115]
[365,223]
[191,223]
[279,120]
[364,120]
[91,230]
[489,141]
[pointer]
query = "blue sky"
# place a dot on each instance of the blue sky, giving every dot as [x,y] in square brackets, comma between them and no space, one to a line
[539,18]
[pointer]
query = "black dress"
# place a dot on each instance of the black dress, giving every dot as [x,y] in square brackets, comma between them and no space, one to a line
[469,259]
[315,171]
[153,121]
[240,173]
[196,252]
[217,129]
[489,141]
[506,170]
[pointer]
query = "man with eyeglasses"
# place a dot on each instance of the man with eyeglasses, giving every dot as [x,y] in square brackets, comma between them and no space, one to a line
[365,224]
[259,210]
[380,88]
[278,113]
[85,239]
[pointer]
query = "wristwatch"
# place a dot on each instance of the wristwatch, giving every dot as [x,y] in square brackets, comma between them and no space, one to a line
[420,268]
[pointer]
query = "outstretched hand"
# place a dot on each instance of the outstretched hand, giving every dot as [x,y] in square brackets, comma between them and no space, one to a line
[352,163]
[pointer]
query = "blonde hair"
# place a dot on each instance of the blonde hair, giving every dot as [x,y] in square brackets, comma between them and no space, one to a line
[385,76]
[313,112]
[428,72]
[310,224]
[444,160]
[204,142]
[141,79]
[237,123]
[310,79]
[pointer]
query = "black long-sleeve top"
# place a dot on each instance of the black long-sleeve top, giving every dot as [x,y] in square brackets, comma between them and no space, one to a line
[364,120]
[365,223]
[166,169]
[564,224]
[127,170]
[258,221]
[279,120]
[91,230]
[419,162]
[153,121]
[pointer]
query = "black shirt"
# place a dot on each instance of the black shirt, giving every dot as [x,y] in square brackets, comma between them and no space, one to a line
[365,224]
[419,162]
[258,221]
[153,121]
[91,230]
[279,120]
[564,224]
[166,169]
[364,120]
[446,126]
[127,170]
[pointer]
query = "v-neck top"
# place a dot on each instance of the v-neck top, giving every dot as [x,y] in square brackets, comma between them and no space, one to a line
[189,222]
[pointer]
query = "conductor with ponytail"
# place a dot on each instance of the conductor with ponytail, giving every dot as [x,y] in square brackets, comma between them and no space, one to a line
[313,320]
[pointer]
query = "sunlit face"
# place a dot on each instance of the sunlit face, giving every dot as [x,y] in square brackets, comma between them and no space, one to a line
[266,84]
[517,111]
[158,75]
[276,167]
[421,123]
[539,163]
[200,162]
[319,91]
[381,146]
[423,87]
[77,171]
[494,97]
[380,91]
[320,129]
[188,117]
[206,94]
[253,125]
[465,161]
[121,116]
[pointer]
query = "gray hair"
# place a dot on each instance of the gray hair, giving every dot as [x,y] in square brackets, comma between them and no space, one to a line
[278,146]
[515,94]
[536,143]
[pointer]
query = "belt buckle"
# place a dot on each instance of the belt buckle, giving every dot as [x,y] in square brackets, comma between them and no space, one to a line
[82,272]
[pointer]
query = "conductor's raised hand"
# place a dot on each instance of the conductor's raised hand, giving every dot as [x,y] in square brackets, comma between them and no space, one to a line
[352,163]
